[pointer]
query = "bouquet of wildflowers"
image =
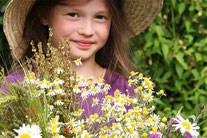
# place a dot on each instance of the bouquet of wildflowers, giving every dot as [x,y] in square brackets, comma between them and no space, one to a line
[47,104]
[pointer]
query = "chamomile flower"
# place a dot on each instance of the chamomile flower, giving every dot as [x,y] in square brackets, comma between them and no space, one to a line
[84,94]
[186,126]
[162,126]
[59,70]
[76,89]
[161,92]
[58,103]
[80,124]
[44,84]
[117,128]
[36,93]
[148,98]
[95,101]
[29,80]
[58,90]
[78,62]
[50,93]
[32,131]
[85,134]
[58,81]
[54,128]
[100,82]
[155,119]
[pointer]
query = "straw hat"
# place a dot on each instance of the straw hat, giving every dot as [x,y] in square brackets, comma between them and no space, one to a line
[139,13]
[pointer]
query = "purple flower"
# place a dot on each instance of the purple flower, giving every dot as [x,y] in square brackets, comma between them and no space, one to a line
[188,136]
[154,136]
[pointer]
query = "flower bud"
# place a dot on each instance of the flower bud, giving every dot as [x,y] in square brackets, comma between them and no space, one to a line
[201,107]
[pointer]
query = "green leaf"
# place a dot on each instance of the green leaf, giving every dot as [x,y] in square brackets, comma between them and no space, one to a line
[178,85]
[179,70]
[159,30]
[195,73]
[188,106]
[166,76]
[188,26]
[165,51]
[181,8]
[158,101]
[173,3]
[180,59]
[198,56]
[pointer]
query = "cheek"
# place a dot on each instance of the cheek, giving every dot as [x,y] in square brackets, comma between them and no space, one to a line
[62,30]
[104,32]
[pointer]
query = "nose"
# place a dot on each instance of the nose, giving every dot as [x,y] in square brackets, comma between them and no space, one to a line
[86,28]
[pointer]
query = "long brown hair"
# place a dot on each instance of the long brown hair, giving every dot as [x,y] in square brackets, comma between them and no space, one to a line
[114,55]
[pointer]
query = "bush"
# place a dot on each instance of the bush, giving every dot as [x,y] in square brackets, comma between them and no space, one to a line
[174,53]
[5,57]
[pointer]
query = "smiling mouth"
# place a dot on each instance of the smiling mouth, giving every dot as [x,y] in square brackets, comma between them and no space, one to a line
[83,43]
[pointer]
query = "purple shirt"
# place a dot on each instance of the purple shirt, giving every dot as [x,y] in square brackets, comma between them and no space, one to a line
[114,79]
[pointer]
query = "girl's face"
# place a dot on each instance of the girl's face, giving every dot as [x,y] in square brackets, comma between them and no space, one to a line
[85,23]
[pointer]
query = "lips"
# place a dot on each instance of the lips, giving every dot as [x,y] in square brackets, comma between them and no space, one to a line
[83,43]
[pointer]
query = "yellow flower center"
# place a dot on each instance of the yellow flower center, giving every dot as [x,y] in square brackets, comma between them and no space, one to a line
[164,119]
[132,72]
[74,130]
[100,80]
[78,60]
[161,91]
[70,123]
[54,128]
[122,106]
[133,124]
[130,81]
[140,75]
[25,136]
[149,97]
[117,91]
[144,135]
[76,87]
[90,84]
[86,136]
[54,121]
[154,129]
[145,113]
[147,82]
[105,127]
[154,119]
[186,124]
[107,85]
[116,127]
[57,87]
[57,79]
[150,87]
[33,74]
[139,88]
[131,131]
[47,83]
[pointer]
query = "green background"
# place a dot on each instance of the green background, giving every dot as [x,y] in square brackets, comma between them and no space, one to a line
[173,52]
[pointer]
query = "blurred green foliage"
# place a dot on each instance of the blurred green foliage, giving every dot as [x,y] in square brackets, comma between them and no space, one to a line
[5,57]
[173,51]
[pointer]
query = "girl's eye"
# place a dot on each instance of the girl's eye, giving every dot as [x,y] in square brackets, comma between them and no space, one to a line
[101,17]
[73,14]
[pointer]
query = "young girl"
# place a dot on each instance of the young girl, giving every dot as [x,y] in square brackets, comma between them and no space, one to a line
[98,31]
